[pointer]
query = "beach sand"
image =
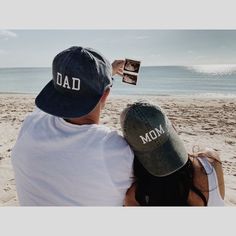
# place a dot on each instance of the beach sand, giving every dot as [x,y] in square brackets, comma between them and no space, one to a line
[207,122]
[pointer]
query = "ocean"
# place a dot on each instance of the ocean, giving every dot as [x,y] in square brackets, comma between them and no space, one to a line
[206,80]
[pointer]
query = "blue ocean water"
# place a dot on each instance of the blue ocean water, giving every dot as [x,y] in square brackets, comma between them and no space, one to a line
[156,80]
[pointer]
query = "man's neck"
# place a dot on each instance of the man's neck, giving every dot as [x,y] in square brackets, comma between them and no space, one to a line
[90,119]
[82,121]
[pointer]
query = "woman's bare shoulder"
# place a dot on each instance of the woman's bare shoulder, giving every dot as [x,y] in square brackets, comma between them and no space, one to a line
[214,158]
[211,154]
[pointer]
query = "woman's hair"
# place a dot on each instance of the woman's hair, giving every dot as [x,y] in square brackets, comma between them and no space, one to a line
[171,190]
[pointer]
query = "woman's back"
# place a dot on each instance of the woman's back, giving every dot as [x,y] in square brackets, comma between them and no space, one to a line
[207,182]
[166,175]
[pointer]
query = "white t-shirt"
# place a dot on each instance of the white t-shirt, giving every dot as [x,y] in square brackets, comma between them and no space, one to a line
[61,164]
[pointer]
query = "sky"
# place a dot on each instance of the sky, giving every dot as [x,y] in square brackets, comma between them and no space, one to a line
[37,48]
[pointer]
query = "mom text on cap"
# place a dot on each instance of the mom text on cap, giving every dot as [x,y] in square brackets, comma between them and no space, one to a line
[152,135]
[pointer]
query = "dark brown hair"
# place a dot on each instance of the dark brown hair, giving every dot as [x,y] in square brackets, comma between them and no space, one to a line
[171,190]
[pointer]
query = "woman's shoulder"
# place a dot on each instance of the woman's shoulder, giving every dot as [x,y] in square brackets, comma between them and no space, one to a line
[208,154]
[212,156]
[214,159]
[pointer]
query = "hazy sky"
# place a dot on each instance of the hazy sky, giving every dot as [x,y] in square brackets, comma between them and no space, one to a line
[37,48]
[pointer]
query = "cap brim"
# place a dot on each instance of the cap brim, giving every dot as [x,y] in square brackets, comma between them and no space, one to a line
[167,159]
[55,103]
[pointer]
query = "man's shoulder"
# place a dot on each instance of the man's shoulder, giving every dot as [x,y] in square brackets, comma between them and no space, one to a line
[119,159]
[110,134]
[37,123]
[32,118]
[114,137]
[36,113]
[116,144]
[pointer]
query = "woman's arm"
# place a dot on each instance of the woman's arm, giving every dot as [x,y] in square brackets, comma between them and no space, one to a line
[130,196]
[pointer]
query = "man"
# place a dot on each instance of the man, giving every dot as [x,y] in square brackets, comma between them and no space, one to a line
[62,156]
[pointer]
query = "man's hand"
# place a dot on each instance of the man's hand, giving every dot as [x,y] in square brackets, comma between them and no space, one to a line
[117,67]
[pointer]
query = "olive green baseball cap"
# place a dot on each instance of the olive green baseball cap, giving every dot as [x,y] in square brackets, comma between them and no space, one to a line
[153,139]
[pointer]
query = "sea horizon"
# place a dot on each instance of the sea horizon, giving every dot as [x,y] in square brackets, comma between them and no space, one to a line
[159,65]
[215,79]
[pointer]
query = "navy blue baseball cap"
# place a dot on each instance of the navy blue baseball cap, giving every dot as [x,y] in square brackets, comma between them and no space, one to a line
[80,77]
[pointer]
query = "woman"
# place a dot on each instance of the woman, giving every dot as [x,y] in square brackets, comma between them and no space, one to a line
[165,175]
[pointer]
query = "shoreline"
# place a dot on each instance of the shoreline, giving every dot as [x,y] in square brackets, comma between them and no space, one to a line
[197,96]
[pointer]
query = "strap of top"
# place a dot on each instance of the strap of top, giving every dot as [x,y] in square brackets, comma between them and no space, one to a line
[215,198]
[212,177]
